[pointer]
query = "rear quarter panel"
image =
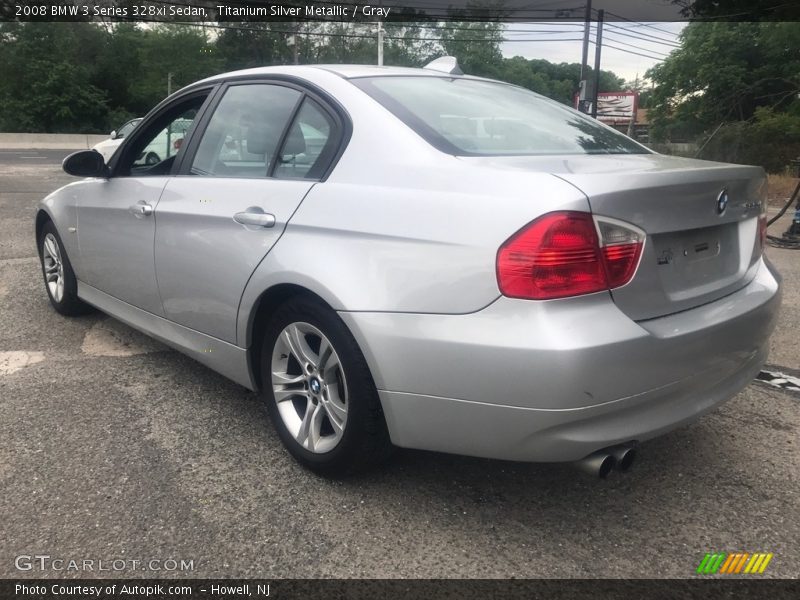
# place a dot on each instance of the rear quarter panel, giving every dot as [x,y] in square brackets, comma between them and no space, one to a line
[420,238]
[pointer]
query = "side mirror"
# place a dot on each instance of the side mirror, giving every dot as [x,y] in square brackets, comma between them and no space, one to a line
[85,163]
[113,135]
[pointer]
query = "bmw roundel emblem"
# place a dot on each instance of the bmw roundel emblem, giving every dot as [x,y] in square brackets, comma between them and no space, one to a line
[722,202]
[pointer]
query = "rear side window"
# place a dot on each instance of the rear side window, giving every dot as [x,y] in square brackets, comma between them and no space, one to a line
[482,118]
[242,137]
[309,144]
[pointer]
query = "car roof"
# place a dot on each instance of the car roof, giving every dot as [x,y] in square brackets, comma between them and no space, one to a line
[344,71]
[351,71]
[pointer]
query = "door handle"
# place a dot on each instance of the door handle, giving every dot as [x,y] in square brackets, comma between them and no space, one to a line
[255,219]
[141,209]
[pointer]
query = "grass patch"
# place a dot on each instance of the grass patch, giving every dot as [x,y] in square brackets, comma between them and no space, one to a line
[780,186]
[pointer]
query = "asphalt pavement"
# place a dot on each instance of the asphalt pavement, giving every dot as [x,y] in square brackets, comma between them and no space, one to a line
[113,447]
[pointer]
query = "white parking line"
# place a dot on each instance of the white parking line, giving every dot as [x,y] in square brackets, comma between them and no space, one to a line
[779,380]
[11,362]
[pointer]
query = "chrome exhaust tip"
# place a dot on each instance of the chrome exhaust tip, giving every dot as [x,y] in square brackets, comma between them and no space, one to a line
[623,457]
[599,464]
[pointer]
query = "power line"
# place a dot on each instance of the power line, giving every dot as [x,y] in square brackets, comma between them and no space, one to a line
[433,24]
[531,40]
[645,37]
[762,10]
[645,33]
[356,35]
[441,11]
[617,41]
[657,58]
[549,24]
[543,31]
[640,24]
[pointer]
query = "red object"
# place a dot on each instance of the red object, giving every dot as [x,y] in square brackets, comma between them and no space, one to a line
[560,255]
[621,261]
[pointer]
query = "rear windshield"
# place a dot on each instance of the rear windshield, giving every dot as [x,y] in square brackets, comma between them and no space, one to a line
[472,117]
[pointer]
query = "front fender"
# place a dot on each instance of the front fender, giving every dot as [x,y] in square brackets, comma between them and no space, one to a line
[61,207]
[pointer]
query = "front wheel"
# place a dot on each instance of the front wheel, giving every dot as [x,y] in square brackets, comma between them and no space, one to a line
[59,278]
[319,392]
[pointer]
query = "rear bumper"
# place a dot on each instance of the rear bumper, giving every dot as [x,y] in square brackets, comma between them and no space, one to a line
[555,381]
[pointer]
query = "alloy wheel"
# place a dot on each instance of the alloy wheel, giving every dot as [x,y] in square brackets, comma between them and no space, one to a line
[53,267]
[309,386]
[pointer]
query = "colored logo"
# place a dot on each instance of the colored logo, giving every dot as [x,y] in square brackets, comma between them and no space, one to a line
[722,202]
[734,563]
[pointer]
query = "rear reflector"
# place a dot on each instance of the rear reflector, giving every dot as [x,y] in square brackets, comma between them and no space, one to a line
[564,254]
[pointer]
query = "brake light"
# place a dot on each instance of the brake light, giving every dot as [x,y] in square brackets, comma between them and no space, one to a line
[565,254]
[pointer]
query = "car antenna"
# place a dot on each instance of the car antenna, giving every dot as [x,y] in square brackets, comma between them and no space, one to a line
[445,64]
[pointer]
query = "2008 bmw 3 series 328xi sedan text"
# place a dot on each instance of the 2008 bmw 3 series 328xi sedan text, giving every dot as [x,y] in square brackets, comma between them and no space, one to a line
[423,259]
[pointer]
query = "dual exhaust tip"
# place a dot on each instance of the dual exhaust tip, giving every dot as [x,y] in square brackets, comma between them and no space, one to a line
[602,462]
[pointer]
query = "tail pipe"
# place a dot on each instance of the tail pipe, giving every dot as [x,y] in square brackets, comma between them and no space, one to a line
[602,462]
[598,464]
[623,457]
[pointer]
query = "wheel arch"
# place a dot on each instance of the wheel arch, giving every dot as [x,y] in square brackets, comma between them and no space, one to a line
[264,306]
[42,217]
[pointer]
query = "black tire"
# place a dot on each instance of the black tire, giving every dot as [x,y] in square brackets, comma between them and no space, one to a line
[69,304]
[365,440]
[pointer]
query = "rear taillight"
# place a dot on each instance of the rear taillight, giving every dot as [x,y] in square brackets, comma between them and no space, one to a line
[762,231]
[621,245]
[763,224]
[565,254]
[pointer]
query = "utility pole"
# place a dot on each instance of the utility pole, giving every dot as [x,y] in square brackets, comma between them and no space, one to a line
[597,48]
[584,58]
[380,43]
[169,83]
[295,44]
[632,122]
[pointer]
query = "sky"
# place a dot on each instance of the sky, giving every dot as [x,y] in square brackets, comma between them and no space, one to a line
[629,48]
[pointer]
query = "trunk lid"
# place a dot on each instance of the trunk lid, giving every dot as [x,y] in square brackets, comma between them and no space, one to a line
[694,253]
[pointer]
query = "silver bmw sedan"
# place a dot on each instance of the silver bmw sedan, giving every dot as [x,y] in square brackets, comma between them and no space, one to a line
[423,259]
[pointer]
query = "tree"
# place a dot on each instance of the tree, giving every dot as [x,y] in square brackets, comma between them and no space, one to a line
[245,45]
[556,81]
[476,44]
[92,76]
[185,52]
[724,72]
[742,10]
[46,77]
